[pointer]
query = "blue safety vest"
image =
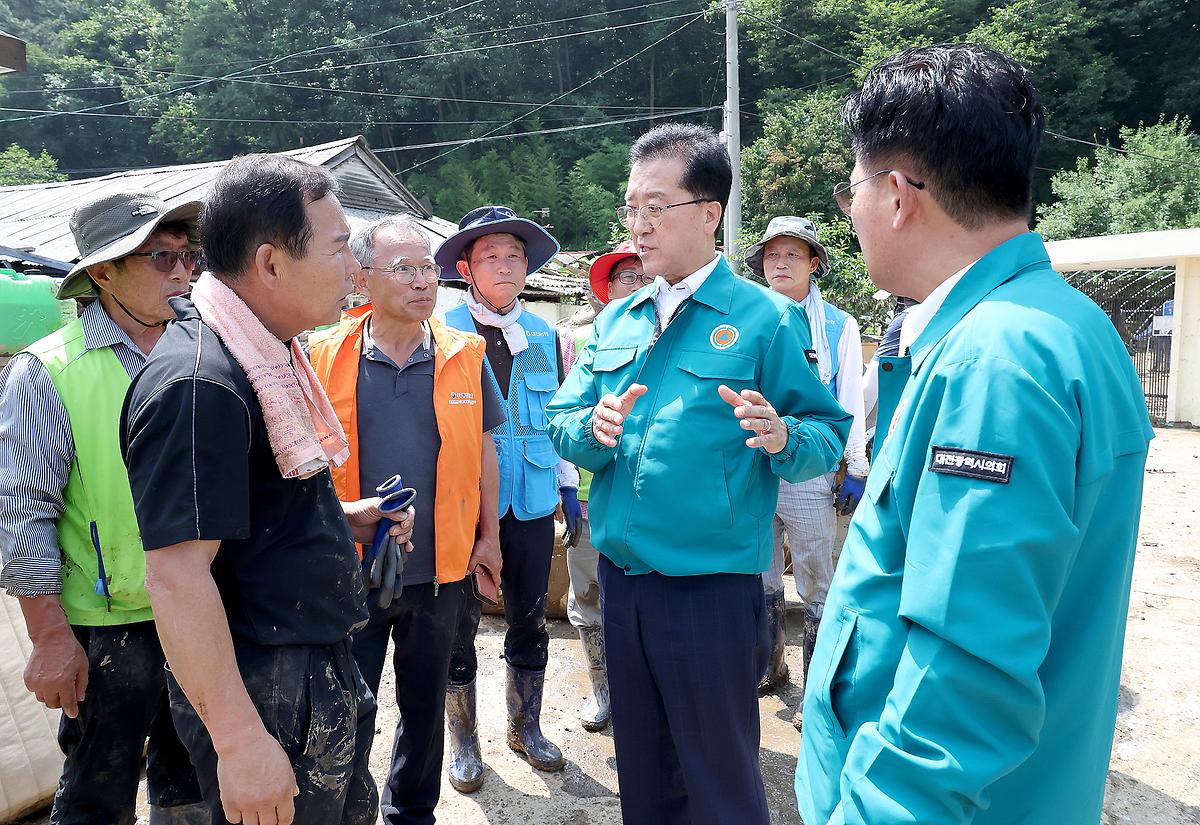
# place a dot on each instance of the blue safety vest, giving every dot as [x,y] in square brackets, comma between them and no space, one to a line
[528,481]
[835,323]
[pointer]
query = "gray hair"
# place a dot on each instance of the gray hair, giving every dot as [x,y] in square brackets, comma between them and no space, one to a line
[362,242]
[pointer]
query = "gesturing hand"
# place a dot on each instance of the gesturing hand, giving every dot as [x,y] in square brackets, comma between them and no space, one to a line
[759,417]
[609,414]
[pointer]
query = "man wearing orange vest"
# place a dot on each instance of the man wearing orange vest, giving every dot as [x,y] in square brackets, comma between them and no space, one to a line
[412,396]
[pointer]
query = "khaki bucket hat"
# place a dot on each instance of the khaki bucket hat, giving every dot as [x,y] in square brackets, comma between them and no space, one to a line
[112,226]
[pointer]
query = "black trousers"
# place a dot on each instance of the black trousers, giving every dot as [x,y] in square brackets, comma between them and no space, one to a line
[313,700]
[526,547]
[422,625]
[125,703]
[684,655]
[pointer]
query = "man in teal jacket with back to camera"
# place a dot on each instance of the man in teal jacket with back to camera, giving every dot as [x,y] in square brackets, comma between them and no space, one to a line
[967,665]
[692,399]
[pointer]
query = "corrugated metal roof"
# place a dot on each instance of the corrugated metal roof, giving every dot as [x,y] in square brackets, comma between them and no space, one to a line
[36,216]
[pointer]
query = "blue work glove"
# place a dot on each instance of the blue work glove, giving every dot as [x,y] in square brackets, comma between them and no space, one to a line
[849,494]
[573,514]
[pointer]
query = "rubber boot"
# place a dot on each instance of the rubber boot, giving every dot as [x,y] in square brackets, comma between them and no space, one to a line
[197,813]
[812,622]
[465,767]
[523,693]
[597,710]
[777,669]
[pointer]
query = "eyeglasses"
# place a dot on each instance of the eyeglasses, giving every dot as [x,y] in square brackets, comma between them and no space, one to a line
[651,213]
[165,261]
[406,273]
[632,276]
[843,193]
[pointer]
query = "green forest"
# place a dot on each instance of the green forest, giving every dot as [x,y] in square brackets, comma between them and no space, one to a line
[127,83]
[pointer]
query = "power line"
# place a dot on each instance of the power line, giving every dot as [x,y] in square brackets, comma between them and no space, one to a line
[812,43]
[612,68]
[1171,161]
[261,66]
[176,73]
[491,137]
[198,118]
[473,49]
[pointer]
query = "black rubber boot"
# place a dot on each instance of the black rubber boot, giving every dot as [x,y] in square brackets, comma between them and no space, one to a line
[197,813]
[777,670]
[465,766]
[597,710]
[524,697]
[812,621]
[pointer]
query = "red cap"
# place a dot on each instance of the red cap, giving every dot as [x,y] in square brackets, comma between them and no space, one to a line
[602,268]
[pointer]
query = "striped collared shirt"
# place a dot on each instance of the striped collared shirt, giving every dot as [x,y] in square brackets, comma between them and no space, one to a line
[36,454]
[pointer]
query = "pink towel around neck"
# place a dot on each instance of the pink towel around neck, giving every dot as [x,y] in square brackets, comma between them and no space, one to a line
[305,434]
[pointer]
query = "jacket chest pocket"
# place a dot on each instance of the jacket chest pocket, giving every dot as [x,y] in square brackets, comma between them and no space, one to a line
[609,365]
[536,391]
[697,377]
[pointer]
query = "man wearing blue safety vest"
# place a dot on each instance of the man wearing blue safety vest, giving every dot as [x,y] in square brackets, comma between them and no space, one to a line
[693,397]
[967,665]
[493,251]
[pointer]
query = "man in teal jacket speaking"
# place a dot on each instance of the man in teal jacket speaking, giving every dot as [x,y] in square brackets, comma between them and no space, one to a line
[692,399]
[967,665]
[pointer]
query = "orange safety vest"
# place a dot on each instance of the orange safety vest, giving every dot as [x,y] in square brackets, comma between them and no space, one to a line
[458,405]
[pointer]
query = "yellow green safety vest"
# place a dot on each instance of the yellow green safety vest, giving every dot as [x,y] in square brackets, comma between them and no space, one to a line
[98,529]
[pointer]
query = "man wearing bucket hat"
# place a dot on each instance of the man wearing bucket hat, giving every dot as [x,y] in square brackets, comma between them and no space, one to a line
[493,251]
[613,276]
[72,552]
[790,256]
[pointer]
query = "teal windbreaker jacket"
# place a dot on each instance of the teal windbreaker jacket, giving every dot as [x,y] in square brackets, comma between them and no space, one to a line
[967,665]
[681,493]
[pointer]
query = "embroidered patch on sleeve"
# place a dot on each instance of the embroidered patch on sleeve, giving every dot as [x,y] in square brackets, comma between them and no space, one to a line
[971,464]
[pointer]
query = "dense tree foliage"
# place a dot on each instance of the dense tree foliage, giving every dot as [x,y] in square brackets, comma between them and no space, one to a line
[153,82]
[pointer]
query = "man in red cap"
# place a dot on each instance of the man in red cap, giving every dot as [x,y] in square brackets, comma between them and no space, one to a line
[613,275]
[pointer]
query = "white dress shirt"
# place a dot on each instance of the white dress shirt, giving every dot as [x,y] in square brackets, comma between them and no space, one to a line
[668,297]
[921,314]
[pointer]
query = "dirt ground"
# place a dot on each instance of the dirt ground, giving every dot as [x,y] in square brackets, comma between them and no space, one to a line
[1155,771]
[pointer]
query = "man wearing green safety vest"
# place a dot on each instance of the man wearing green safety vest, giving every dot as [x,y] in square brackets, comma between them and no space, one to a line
[968,660]
[72,554]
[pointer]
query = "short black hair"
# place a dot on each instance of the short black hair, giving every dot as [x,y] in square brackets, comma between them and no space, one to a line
[706,170]
[259,199]
[967,119]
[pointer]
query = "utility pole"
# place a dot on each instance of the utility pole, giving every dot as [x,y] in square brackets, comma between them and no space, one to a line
[733,131]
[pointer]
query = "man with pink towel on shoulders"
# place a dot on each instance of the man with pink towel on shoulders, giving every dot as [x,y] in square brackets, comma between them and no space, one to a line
[251,566]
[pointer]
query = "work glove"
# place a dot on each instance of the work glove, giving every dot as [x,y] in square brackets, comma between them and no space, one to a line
[849,493]
[387,570]
[385,559]
[572,514]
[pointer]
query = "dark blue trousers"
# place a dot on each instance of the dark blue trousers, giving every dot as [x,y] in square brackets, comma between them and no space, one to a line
[684,657]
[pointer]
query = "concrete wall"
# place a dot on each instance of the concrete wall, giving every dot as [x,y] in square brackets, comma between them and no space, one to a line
[1183,388]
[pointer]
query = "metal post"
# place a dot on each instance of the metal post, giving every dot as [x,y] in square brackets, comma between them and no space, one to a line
[733,135]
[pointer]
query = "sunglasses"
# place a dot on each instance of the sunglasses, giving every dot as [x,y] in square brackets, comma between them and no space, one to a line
[165,261]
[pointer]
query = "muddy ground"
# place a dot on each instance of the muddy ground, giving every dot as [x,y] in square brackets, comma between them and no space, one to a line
[1155,771]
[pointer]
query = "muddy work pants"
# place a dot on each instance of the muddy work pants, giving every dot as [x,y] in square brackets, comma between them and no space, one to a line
[421,623]
[313,700]
[526,547]
[125,704]
[685,654]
